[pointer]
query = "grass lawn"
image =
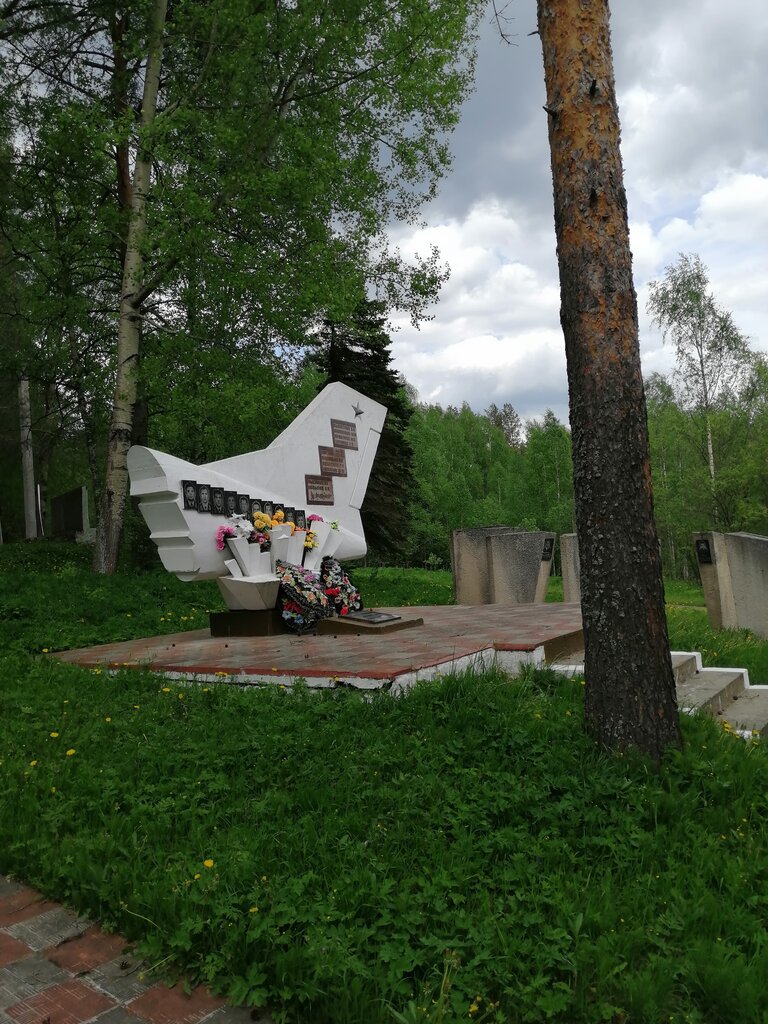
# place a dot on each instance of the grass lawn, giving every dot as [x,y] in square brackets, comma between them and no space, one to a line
[462,853]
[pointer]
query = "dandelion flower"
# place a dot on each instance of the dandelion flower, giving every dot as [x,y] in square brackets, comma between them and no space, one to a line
[166,689]
[197,875]
[45,650]
[253,910]
[208,863]
[71,751]
[32,763]
[54,735]
[107,719]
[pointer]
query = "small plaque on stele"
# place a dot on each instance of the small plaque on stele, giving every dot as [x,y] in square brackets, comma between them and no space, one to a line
[319,490]
[367,615]
[344,434]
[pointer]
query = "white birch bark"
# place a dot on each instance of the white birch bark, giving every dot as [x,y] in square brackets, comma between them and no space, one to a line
[27,460]
[115,488]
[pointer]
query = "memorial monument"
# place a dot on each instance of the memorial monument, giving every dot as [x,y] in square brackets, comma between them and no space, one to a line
[310,481]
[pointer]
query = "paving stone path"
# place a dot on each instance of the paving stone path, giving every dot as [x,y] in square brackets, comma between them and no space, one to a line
[58,968]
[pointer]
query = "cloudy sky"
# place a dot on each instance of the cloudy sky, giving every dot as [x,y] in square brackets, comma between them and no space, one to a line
[692,82]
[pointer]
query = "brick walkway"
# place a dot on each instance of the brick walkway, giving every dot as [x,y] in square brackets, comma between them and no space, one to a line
[57,968]
[452,637]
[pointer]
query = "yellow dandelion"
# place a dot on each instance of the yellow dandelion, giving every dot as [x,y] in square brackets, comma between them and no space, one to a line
[32,763]
[166,689]
[53,789]
[197,875]
[208,863]
[107,719]
[71,751]
[180,696]
[253,910]
[206,689]
[45,650]
[54,735]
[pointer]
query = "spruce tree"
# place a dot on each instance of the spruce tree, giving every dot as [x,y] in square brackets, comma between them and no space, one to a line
[357,353]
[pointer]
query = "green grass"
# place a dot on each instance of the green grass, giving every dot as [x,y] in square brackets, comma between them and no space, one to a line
[461,853]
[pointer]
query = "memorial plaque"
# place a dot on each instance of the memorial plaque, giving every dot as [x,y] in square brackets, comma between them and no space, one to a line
[290,514]
[367,615]
[301,518]
[189,493]
[279,506]
[703,551]
[230,502]
[344,434]
[217,501]
[255,506]
[204,498]
[319,490]
[268,507]
[546,554]
[333,461]
[243,504]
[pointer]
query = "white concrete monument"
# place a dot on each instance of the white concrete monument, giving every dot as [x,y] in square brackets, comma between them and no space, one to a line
[318,467]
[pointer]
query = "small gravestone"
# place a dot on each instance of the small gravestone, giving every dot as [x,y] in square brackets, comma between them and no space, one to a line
[734,576]
[69,515]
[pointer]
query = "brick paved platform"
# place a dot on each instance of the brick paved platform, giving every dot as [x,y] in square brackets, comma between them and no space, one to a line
[58,968]
[453,637]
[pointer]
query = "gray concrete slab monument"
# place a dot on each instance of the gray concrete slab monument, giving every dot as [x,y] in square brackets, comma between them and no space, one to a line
[501,565]
[734,576]
[571,567]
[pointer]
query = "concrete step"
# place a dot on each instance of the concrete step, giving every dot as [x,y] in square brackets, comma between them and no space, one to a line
[685,664]
[712,689]
[748,714]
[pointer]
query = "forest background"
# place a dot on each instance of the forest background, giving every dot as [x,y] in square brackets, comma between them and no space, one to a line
[274,160]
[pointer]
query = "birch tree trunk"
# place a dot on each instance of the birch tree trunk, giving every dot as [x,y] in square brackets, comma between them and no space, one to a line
[27,460]
[115,487]
[630,696]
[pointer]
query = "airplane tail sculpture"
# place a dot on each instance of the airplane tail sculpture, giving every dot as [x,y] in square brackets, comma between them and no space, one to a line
[318,466]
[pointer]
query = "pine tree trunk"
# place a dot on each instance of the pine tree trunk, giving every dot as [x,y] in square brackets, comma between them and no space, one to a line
[630,694]
[115,487]
[27,460]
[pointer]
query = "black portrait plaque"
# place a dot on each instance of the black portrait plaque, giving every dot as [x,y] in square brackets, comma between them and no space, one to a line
[319,490]
[290,514]
[230,502]
[189,493]
[256,506]
[703,551]
[217,501]
[243,504]
[344,434]
[268,507]
[301,518]
[333,461]
[546,553]
[279,506]
[204,498]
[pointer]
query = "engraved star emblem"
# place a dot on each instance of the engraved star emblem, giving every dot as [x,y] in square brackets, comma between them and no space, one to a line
[357,410]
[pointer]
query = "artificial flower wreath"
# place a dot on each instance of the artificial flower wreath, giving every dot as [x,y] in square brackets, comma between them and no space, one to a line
[302,599]
[344,597]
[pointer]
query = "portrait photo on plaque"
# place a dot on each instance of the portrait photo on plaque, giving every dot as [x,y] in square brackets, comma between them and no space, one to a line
[268,507]
[204,498]
[244,504]
[217,501]
[230,502]
[290,514]
[279,506]
[189,493]
[256,506]
[301,518]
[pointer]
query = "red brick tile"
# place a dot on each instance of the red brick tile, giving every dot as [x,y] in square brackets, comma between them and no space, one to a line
[162,1005]
[69,1003]
[87,951]
[12,950]
[22,905]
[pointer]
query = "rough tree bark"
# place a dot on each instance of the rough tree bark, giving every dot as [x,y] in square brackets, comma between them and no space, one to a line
[115,488]
[630,694]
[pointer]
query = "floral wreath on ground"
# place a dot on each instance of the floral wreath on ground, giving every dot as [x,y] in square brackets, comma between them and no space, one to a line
[302,599]
[338,588]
